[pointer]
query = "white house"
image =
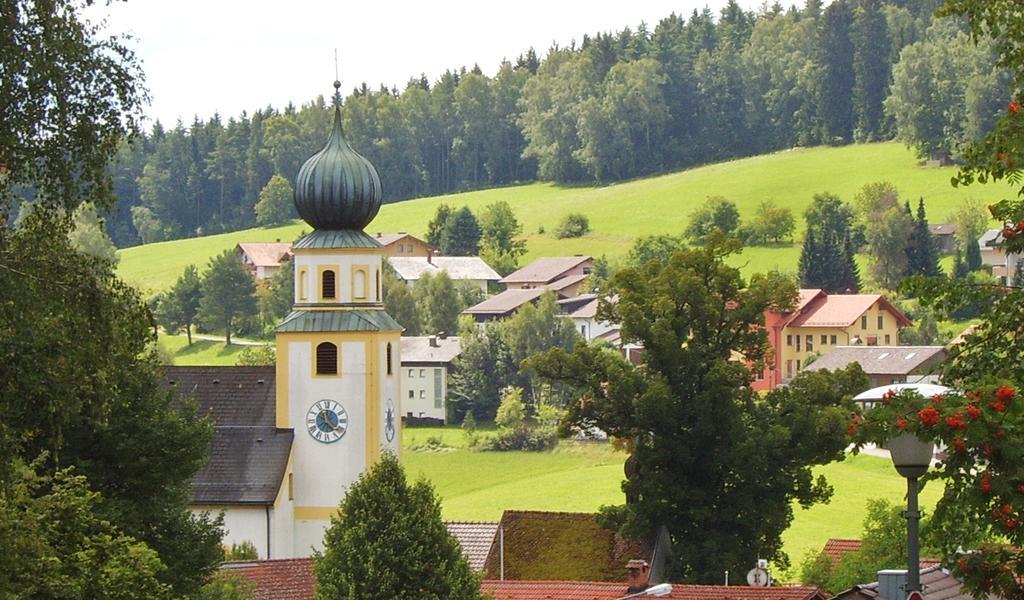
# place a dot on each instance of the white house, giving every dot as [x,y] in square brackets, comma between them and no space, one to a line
[264,259]
[993,254]
[582,311]
[459,268]
[426,361]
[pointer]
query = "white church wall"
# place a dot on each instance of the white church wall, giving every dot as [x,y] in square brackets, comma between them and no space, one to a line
[241,524]
[312,264]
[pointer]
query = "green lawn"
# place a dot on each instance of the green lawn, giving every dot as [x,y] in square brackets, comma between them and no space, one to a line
[582,477]
[201,352]
[621,212]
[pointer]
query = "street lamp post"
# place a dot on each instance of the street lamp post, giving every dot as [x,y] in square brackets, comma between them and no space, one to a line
[911,458]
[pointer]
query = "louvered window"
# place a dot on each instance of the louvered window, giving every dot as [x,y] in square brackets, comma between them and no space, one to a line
[326,359]
[389,358]
[327,285]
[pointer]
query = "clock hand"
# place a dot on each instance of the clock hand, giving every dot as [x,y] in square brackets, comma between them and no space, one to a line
[327,421]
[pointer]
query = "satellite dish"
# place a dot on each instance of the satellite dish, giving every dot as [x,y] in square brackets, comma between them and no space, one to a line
[758,577]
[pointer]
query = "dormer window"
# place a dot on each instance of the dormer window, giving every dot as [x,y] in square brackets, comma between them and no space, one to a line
[326,359]
[327,285]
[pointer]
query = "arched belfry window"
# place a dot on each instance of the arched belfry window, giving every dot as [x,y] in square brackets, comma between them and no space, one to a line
[327,285]
[388,358]
[326,359]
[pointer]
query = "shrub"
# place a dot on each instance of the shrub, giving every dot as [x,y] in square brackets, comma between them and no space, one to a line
[511,411]
[533,439]
[573,225]
[241,551]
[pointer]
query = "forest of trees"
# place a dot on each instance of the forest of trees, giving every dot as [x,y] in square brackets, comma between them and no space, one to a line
[614,105]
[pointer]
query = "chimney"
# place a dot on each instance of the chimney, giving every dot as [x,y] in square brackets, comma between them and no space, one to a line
[892,583]
[433,341]
[442,335]
[639,575]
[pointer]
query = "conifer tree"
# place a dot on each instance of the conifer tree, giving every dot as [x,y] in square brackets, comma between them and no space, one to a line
[827,260]
[922,254]
[973,256]
[388,542]
[461,235]
[871,68]
[810,265]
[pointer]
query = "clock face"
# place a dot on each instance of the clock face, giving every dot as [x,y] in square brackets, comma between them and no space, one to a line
[326,421]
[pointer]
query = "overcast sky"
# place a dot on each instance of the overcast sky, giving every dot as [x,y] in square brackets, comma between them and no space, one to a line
[226,56]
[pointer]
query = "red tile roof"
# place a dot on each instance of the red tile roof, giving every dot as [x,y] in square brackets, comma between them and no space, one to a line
[266,254]
[835,548]
[583,590]
[287,579]
[842,310]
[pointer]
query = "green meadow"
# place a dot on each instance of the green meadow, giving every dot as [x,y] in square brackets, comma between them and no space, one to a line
[621,212]
[199,353]
[583,476]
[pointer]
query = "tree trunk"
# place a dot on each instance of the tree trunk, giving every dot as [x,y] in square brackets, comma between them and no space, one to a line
[188,332]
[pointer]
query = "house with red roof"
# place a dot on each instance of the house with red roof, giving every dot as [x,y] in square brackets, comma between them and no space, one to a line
[820,322]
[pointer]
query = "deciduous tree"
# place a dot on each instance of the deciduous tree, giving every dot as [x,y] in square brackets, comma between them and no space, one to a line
[228,293]
[180,304]
[696,431]
[275,206]
[715,214]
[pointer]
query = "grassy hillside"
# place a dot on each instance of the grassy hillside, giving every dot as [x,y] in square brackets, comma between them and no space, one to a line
[621,212]
[582,477]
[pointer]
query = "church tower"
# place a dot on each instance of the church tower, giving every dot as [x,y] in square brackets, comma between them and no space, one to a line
[338,350]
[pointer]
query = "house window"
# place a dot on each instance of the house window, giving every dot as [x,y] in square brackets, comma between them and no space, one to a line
[789,340]
[388,358]
[798,343]
[880,322]
[327,285]
[824,339]
[326,359]
[887,340]
[810,343]
[798,364]
[789,368]
[412,373]
[423,394]
[863,321]
[760,375]
[412,394]
[423,373]
[832,340]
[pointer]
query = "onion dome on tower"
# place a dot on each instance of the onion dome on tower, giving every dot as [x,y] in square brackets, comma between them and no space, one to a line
[337,188]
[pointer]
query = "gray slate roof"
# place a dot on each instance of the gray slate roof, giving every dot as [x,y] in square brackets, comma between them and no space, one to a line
[418,350]
[305,321]
[938,584]
[249,453]
[881,360]
[411,268]
[506,302]
[545,270]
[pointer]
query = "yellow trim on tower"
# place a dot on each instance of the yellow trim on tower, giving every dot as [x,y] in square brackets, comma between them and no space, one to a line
[320,269]
[281,390]
[363,292]
[373,417]
[314,513]
[303,277]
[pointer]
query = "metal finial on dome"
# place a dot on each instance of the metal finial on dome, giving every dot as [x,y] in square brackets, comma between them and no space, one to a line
[337,81]
[337,188]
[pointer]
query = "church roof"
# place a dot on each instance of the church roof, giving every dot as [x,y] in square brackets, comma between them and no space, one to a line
[249,454]
[334,238]
[306,321]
